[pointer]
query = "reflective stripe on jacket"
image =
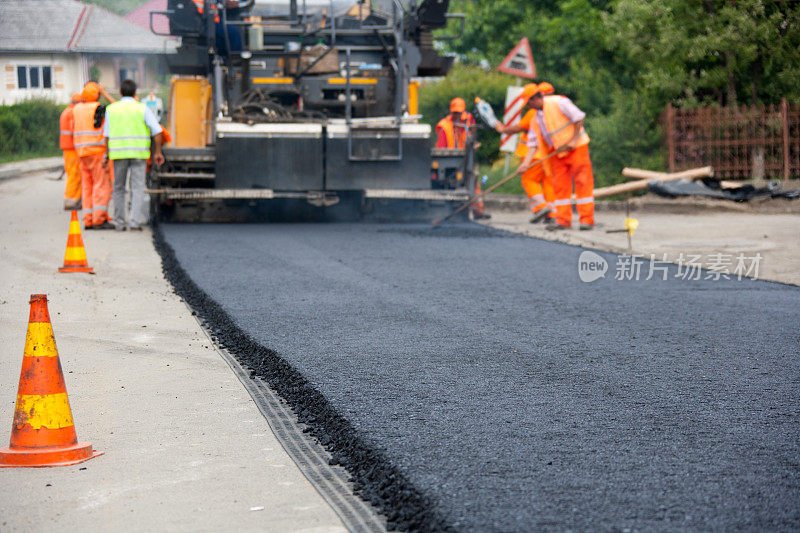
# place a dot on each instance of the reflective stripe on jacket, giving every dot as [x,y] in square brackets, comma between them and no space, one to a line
[128,135]
[456,134]
[65,124]
[559,129]
[87,139]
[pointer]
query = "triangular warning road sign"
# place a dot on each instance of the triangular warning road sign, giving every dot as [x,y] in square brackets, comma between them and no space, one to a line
[519,61]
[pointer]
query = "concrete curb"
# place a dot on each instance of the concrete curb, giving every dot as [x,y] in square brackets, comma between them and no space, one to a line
[12,170]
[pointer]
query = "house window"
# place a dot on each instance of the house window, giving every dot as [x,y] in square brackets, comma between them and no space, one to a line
[34,77]
[22,77]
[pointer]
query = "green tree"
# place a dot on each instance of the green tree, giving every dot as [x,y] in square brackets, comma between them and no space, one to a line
[705,51]
[466,82]
[622,61]
[571,51]
[29,129]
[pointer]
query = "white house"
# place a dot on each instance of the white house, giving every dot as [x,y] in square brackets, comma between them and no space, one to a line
[51,48]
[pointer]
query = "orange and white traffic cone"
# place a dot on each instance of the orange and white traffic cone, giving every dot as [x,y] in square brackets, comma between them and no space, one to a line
[75,256]
[43,433]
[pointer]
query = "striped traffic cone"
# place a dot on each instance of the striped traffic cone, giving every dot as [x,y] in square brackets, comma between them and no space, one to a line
[43,433]
[75,256]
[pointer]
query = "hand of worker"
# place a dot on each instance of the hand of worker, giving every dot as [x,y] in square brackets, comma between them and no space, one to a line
[105,94]
[158,158]
[105,160]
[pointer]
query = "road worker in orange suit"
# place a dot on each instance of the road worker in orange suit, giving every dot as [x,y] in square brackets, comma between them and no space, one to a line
[452,132]
[537,180]
[96,179]
[66,122]
[560,124]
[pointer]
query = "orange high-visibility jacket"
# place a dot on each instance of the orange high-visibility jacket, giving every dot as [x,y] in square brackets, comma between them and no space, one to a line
[525,122]
[88,139]
[531,126]
[558,125]
[456,134]
[65,124]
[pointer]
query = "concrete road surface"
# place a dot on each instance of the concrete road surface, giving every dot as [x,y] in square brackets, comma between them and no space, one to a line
[185,448]
[516,396]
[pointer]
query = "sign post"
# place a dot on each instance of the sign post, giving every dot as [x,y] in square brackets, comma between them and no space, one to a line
[511,115]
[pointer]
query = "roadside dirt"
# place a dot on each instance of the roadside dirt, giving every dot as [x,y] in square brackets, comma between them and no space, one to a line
[720,232]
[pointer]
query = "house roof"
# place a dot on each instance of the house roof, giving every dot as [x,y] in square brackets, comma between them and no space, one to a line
[141,16]
[29,25]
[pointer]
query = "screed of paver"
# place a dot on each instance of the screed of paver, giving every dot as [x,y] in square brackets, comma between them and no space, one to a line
[515,395]
[185,447]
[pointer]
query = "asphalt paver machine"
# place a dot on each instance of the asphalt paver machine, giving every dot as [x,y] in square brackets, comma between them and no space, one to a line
[294,108]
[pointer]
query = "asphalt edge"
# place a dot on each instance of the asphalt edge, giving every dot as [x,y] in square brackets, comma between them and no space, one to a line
[29,166]
[375,479]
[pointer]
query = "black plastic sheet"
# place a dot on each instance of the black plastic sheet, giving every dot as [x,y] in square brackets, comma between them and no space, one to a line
[712,188]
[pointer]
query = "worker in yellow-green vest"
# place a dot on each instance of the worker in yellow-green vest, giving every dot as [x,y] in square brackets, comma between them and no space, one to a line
[128,130]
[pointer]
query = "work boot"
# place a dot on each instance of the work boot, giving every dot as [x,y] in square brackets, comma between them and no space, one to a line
[71,205]
[555,226]
[586,227]
[481,216]
[537,217]
[104,225]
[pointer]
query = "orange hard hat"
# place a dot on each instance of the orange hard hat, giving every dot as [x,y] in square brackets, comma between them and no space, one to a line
[458,105]
[76,98]
[546,88]
[91,92]
[529,90]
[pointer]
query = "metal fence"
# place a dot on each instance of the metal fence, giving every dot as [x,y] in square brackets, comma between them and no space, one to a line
[739,142]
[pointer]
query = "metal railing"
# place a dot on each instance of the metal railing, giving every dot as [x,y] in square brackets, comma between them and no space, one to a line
[739,142]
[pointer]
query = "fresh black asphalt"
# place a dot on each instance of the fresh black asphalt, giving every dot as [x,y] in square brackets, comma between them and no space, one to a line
[495,391]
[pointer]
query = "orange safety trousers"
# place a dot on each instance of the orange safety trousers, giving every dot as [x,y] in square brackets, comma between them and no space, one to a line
[574,166]
[97,183]
[72,169]
[538,185]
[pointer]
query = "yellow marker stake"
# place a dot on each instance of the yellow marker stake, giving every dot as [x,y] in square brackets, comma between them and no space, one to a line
[631,224]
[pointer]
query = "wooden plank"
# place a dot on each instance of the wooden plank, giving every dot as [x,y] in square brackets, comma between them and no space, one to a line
[693,173]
